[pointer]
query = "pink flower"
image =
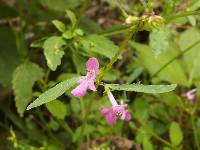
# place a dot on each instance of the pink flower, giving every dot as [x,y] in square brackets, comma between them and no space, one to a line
[87,82]
[111,114]
[190,95]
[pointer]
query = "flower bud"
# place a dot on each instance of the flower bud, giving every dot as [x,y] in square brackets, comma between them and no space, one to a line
[131,19]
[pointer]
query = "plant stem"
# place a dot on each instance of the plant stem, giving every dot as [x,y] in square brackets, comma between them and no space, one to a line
[65,127]
[114,32]
[184,14]
[173,59]
[194,130]
[89,106]
[115,57]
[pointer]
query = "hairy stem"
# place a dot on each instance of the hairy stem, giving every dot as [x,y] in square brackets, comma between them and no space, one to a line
[89,106]
[115,57]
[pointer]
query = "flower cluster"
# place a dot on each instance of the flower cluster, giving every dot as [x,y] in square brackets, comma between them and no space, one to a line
[88,82]
[190,95]
[115,111]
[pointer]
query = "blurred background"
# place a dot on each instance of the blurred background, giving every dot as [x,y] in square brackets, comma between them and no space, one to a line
[159,56]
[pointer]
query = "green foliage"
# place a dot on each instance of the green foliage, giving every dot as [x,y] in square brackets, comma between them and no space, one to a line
[65,34]
[173,73]
[175,134]
[72,18]
[59,25]
[57,109]
[53,51]
[25,74]
[53,93]
[99,44]
[134,75]
[147,145]
[59,5]
[191,58]
[142,88]
[159,41]
[38,43]
[9,58]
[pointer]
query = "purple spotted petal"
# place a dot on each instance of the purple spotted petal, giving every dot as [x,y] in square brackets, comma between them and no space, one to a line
[93,64]
[126,116]
[87,82]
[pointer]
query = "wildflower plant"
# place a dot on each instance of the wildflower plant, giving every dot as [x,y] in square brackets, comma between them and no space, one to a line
[80,70]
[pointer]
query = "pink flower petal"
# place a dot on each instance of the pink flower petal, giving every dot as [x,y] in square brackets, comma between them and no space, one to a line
[111,118]
[91,86]
[80,90]
[105,111]
[81,80]
[126,116]
[109,115]
[93,64]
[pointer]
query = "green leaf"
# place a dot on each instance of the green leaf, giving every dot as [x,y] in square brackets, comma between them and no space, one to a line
[99,44]
[72,17]
[59,25]
[159,41]
[134,74]
[57,109]
[112,75]
[53,93]
[60,5]
[175,134]
[192,57]
[68,34]
[23,80]
[142,88]
[53,51]
[173,73]
[147,145]
[79,62]
[38,43]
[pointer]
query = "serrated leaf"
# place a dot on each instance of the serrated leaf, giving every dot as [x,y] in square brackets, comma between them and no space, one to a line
[53,93]
[175,134]
[142,88]
[24,78]
[53,51]
[72,17]
[57,108]
[159,41]
[99,44]
[59,25]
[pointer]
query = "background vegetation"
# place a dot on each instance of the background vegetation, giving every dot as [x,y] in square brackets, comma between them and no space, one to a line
[46,42]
